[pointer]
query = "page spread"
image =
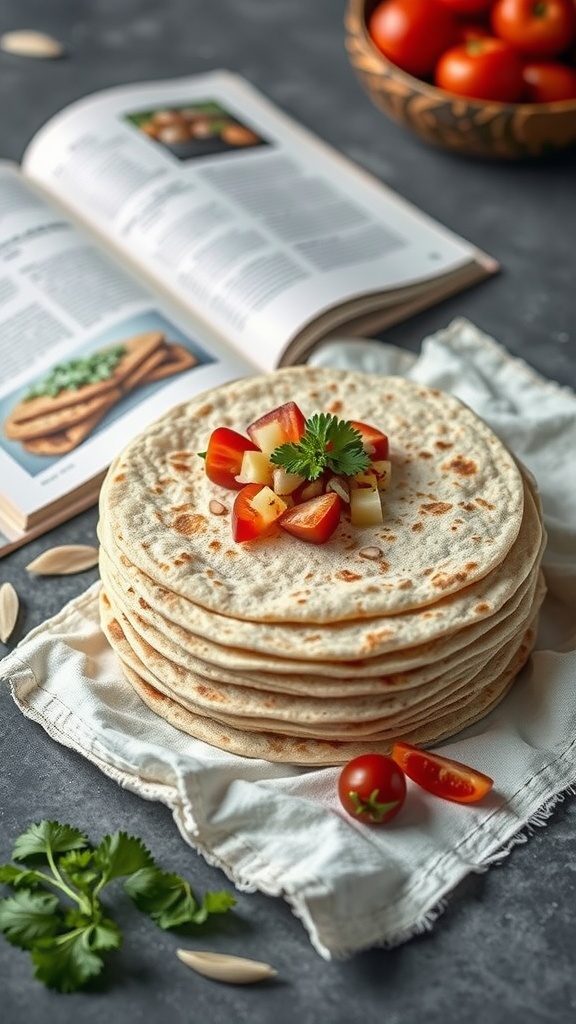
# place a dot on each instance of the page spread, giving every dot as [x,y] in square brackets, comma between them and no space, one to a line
[88,356]
[238,212]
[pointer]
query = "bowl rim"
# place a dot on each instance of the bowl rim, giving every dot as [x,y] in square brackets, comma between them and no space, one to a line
[358,9]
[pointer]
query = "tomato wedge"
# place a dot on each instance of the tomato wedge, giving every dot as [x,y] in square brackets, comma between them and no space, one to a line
[442,776]
[255,510]
[314,520]
[279,426]
[375,443]
[224,457]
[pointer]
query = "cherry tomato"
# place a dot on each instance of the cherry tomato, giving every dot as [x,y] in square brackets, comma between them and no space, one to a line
[314,520]
[485,69]
[375,443]
[442,776]
[412,33]
[279,426]
[541,28]
[372,788]
[549,81]
[224,456]
[255,510]
[467,7]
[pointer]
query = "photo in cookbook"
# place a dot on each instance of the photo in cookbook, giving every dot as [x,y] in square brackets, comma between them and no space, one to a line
[98,382]
[196,129]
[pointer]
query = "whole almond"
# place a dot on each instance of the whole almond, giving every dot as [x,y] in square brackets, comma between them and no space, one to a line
[235,970]
[9,605]
[64,560]
[29,43]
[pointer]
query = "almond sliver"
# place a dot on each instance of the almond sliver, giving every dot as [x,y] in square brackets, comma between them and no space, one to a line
[64,560]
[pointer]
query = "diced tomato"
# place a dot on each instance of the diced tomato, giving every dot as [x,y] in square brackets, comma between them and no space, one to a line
[224,457]
[442,776]
[279,426]
[375,443]
[255,510]
[314,520]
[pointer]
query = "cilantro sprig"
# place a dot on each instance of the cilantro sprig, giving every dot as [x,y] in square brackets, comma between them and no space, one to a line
[327,443]
[56,912]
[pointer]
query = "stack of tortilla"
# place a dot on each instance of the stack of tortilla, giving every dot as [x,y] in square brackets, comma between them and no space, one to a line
[54,424]
[311,654]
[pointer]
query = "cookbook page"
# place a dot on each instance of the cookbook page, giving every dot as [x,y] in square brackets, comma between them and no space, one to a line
[87,355]
[236,210]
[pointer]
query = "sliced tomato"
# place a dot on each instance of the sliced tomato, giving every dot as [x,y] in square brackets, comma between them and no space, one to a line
[279,426]
[314,520]
[442,776]
[224,457]
[375,443]
[255,511]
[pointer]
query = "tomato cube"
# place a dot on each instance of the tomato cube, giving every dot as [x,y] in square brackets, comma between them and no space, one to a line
[256,508]
[224,455]
[314,520]
[374,442]
[279,426]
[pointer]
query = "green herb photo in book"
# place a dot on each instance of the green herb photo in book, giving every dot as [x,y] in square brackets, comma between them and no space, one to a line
[161,239]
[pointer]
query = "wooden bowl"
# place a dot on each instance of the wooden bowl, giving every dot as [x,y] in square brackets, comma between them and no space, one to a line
[472,127]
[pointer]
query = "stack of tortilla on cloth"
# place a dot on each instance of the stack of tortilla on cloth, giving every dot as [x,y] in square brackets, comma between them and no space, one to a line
[312,654]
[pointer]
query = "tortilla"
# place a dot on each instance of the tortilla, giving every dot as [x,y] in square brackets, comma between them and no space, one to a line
[453,511]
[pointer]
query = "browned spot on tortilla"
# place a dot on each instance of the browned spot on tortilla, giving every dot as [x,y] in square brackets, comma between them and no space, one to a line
[372,590]
[159,516]
[143,604]
[347,576]
[153,693]
[130,590]
[209,694]
[217,583]
[383,566]
[181,467]
[177,562]
[214,545]
[301,600]
[405,585]
[425,455]
[182,508]
[461,465]
[471,566]
[164,566]
[210,573]
[467,506]
[231,553]
[145,545]
[309,576]
[482,607]
[334,406]
[125,561]
[116,630]
[373,639]
[443,581]
[436,508]
[204,410]
[120,477]
[476,537]
[189,524]
[443,446]
[158,489]
[105,600]
[483,503]
[417,527]
[179,455]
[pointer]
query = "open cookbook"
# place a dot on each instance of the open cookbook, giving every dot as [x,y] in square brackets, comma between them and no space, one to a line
[163,238]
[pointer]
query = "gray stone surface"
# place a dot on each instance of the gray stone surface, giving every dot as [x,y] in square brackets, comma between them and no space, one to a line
[503,950]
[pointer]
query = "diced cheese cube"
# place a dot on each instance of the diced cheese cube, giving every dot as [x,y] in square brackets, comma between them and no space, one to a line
[268,505]
[383,472]
[365,478]
[255,469]
[285,483]
[365,507]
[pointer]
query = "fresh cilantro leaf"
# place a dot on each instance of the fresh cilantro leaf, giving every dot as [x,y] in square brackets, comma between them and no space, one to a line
[120,854]
[48,835]
[66,937]
[67,962]
[327,443]
[29,916]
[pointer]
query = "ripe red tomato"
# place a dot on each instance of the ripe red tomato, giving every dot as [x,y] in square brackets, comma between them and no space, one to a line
[485,69]
[442,776]
[278,426]
[224,457]
[314,520]
[374,442]
[252,519]
[372,788]
[549,81]
[412,33]
[541,28]
[467,7]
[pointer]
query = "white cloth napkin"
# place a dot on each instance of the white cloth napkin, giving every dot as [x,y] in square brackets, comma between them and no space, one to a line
[280,829]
